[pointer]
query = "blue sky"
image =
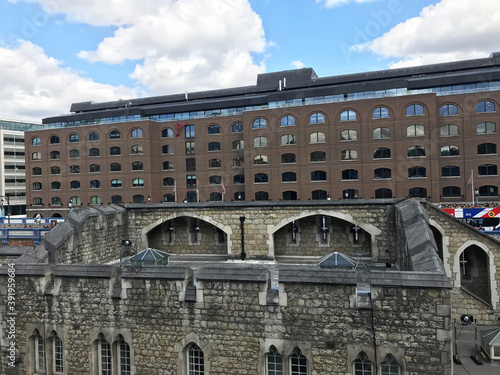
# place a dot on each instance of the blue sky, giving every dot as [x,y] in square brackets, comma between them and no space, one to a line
[56,52]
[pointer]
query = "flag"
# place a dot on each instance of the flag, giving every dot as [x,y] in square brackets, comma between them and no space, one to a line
[471,178]
[175,187]
[222,186]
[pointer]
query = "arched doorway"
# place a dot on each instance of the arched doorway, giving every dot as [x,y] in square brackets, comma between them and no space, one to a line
[474,272]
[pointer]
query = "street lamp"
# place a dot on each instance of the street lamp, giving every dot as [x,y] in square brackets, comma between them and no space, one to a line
[6,197]
[476,192]
[127,244]
[149,199]
[70,205]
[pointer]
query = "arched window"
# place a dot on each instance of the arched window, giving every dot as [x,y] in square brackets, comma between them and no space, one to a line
[450,150]
[114,134]
[382,173]
[237,127]
[74,138]
[74,185]
[214,180]
[475,272]
[94,152]
[137,182]
[74,169]
[350,194]
[58,354]
[486,148]
[54,139]
[349,155]
[448,131]
[116,183]
[136,133]
[260,142]
[36,156]
[380,112]
[116,199]
[168,181]
[195,360]
[318,176]
[317,137]
[348,115]
[487,170]
[415,110]
[274,362]
[381,133]
[287,121]
[485,106]
[450,171]
[259,123]
[95,199]
[319,194]
[287,139]
[123,356]
[318,156]
[138,198]
[93,136]
[289,195]
[37,171]
[298,363]
[451,192]
[289,177]
[288,158]
[238,162]
[239,179]
[486,128]
[37,201]
[167,133]
[362,366]
[95,184]
[415,131]
[214,146]
[94,168]
[214,163]
[74,154]
[215,197]
[317,118]
[55,155]
[488,191]
[261,196]
[36,141]
[169,198]
[57,170]
[37,186]
[349,135]
[136,150]
[238,145]
[55,185]
[349,174]
[213,129]
[137,166]
[115,167]
[383,193]
[389,366]
[115,151]
[261,178]
[382,153]
[448,110]
[260,160]
[416,151]
[168,165]
[417,172]
[103,356]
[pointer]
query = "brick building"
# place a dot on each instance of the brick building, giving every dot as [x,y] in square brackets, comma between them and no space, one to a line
[427,132]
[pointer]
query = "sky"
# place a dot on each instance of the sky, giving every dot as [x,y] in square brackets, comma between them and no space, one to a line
[57,52]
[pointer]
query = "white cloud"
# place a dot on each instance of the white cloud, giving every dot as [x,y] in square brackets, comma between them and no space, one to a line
[297,64]
[36,86]
[448,31]
[178,44]
[337,3]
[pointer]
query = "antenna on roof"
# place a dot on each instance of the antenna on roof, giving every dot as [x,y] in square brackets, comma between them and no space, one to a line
[284,82]
[186,95]
[279,89]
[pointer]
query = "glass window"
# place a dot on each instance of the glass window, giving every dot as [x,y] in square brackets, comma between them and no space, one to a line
[37,171]
[383,193]
[213,129]
[349,155]
[137,182]
[261,196]
[288,158]
[114,134]
[214,146]
[362,366]
[238,145]
[415,131]
[317,118]
[488,191]
[54,139]
[274,362]
[169,198]
[137,150]
[349,174]
[485,106]
[449,150]
[417,172]
[448,131]
[318,156]
[238,162]
[189,131]
[190,164]
[75,184]
[73,154]
[486,128]
[189,146]
[318,176]
[260,142]
[56,201]
[239,179]
[168,165]
[95,199]
[287,121]
[95,168]
[237,127]
[168,181]
[136,133]
[115,167]
[287,139]
[123,357]
[259,123]
[58,355]
[36,156]
[55,170]
[486,148]
[289,177]
[138,198]
[137,166]
[319,194]
[382,173]
[94,152]
[260,160]
[450,171]
[37,186]
[450,192]
[56,185]
[94,136]
[37,201]
[416,151]
[214,180]
[115,151]
[487,170]
[415,110]
[191,181]
[116,183]
[167,133]
[348,135]
[214,163]
[116,199]
[74,169]
[95,184]
[74,138]
[55,155]
[380,112]
[36,141]
[195,360]
[448,110]
[348,115]
[215,197]
[317,137]
[298,363]
[381,133]
[261,178]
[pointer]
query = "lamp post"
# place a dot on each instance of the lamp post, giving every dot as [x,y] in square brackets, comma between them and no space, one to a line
[149,199]
[127,244]
[6,197]
[70,205]
[476,193]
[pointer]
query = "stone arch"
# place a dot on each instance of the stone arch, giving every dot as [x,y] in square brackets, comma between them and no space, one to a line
[444,246]
[181,346]
[225,228]
[369,228]
[490,257]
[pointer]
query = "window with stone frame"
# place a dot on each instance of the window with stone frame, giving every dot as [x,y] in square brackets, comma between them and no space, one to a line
[195,360]
[298,363]
[362,366]
[390,366]
[274,362]
[104,357]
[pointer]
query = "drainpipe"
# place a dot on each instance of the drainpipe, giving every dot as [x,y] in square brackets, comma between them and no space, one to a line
[243,254]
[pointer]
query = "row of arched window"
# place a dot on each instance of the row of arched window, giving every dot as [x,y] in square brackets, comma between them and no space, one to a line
[93,136]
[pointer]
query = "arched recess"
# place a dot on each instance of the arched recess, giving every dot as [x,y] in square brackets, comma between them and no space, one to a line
[459,267]
[443,245]
[226,229]
[368,228]
[181,347]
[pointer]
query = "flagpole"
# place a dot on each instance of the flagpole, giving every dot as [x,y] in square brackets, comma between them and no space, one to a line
[175,191]
[472,184]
